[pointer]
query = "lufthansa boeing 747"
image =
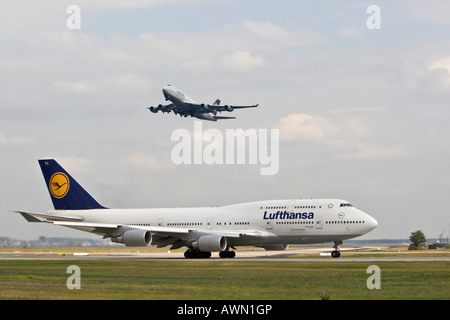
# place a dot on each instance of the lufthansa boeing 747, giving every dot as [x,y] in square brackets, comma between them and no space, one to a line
[185,106]
[270,224]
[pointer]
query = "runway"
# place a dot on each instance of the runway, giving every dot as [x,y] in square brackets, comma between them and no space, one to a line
[295,255]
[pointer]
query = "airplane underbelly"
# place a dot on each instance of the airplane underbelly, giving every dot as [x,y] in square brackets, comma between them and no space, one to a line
[297,232]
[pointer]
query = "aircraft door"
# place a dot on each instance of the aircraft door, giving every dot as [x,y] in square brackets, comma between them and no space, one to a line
[290,206]
[319,223]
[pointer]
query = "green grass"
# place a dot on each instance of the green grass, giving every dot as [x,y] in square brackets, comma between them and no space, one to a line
[206,279]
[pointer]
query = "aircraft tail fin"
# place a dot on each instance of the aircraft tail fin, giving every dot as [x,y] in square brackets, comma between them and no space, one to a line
[217,102]
[65,192]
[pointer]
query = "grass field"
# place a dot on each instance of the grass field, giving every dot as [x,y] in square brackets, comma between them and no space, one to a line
[227,279]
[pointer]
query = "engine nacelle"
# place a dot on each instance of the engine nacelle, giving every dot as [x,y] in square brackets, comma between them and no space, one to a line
[210,242]
[204,107]
[228,108]
[153,109]
[276,247]
[134,238]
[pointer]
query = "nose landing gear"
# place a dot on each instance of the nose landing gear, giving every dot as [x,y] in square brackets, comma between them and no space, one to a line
[337,251]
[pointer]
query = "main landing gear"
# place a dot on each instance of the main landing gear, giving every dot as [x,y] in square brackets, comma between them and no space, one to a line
[227,254]
[195,254]
[337,251]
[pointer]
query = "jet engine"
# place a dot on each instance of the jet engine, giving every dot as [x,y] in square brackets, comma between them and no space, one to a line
[204,107]
[210,243]
[134,238]
[228,108]
[153,109]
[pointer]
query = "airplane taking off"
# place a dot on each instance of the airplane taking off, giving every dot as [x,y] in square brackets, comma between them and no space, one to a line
[270,224]
[185,106]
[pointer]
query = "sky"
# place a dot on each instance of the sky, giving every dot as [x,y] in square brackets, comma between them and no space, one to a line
[362,112]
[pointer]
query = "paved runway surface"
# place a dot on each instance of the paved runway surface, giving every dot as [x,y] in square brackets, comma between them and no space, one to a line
[257,255]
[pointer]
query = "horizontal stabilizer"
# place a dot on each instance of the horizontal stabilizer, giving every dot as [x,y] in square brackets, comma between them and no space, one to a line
[224,118]
[34,217]
[29,217]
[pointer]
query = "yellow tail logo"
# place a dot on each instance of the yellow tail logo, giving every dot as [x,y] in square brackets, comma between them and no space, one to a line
[59,185]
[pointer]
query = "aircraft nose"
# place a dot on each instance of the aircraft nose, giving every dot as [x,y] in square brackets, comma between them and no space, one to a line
[373,223]
[166,91]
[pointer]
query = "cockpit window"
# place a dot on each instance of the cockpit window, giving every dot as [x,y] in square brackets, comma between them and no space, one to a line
[346,205]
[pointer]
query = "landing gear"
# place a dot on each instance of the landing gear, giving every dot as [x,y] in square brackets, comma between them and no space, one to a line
[337,251]
[227,254]
[335,254]
[195,254]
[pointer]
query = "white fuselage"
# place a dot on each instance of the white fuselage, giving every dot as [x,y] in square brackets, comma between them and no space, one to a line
[277,221]
[175,95]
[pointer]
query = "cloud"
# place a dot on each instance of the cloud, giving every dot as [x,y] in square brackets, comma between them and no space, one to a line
[427,79]
[366,150]
[441,67]
[440,63]
[102,5]
[146,162]
[301,126]
[241,61]
[435,13]
[73,164]
[14,140]
[350,33]
[266,32]
[347,138]
[127,83]
[318,128]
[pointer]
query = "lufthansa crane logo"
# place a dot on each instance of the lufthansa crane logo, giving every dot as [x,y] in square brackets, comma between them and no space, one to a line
[59,185]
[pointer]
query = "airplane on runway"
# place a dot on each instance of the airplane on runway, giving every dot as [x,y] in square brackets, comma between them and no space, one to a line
[185,106]
[270,224]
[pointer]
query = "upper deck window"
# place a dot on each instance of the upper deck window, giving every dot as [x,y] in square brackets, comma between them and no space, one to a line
[346,205]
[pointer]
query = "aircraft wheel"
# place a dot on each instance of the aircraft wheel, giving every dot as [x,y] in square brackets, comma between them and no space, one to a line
[335,254]
[227,254]
[195,254]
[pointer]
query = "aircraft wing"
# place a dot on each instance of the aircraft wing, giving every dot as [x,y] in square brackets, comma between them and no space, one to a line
[226,107]
[167,108]
[215,107]
[164,231]
[162,236]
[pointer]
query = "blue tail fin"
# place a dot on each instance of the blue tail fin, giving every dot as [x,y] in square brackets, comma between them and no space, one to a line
[65,192]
